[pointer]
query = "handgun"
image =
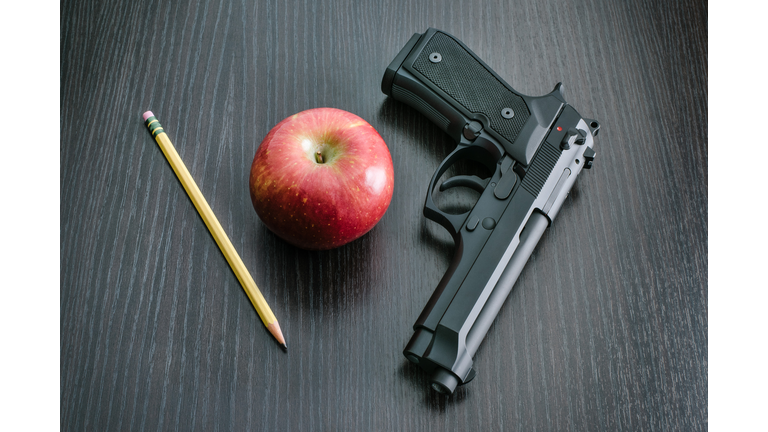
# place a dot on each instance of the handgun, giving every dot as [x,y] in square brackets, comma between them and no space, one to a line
[534,146]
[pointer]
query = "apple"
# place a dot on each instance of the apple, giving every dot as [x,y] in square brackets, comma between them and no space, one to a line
[321,178]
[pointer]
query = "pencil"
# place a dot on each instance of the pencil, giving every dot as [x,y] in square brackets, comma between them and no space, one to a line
[262,308]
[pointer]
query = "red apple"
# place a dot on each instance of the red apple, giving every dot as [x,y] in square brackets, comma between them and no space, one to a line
[321,178]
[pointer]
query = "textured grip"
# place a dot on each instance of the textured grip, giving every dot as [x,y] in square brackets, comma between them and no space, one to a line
[472,84]
[428,110]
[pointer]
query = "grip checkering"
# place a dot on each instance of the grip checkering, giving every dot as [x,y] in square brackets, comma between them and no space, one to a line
[470,83]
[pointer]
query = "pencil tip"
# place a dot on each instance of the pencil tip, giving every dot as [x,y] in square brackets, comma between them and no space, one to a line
[285,347]
[274,328]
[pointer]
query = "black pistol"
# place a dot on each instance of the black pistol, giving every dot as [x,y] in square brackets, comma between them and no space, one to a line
[534,146]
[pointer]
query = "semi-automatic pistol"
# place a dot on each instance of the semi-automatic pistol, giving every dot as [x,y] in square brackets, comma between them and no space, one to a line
[534,146]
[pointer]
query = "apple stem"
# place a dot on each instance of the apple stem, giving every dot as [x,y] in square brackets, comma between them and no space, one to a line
[319,157]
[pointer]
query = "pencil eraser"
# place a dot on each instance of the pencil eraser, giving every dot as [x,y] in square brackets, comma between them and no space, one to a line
[147,115]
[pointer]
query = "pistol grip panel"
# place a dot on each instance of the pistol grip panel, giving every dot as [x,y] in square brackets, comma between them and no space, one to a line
[472,85]
[453,87]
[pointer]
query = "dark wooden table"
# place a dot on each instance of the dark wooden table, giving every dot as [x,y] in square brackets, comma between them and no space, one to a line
[606,328]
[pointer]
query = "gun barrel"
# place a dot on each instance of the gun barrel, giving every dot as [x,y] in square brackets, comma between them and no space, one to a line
[529,238]
[441,379]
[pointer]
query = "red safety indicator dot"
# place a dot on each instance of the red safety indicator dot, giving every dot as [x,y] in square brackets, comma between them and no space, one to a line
[559,128]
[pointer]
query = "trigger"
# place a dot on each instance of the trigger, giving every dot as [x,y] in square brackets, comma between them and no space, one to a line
[472,182]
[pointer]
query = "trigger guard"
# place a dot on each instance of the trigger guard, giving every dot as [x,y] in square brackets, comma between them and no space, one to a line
[451,222]
[472,182]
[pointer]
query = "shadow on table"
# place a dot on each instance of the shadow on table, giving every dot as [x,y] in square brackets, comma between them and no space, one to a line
[333,281]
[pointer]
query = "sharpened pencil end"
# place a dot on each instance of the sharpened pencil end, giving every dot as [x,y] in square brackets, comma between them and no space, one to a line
[274,328]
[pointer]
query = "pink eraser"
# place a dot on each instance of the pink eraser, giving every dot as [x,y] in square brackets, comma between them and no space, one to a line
[147,115]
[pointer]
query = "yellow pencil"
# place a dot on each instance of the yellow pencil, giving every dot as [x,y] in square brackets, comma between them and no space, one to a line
[267,317]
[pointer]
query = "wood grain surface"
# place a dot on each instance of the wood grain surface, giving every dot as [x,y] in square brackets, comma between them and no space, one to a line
[606,329]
